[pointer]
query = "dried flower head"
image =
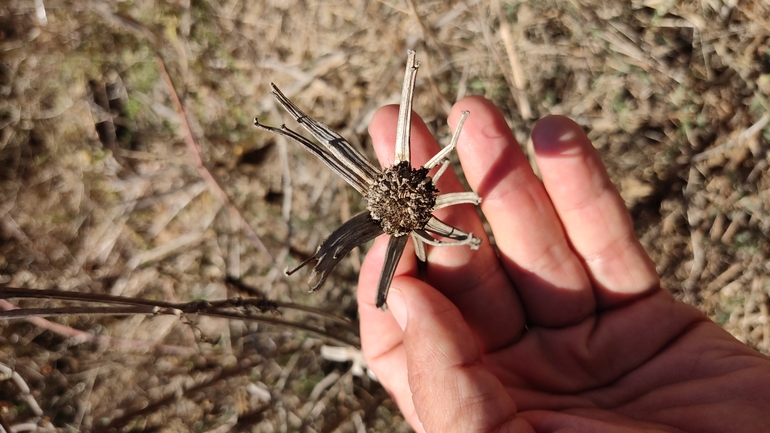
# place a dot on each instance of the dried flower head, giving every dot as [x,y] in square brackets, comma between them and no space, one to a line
[400,199]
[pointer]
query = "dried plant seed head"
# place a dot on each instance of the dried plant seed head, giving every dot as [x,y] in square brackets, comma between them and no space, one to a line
[401,199]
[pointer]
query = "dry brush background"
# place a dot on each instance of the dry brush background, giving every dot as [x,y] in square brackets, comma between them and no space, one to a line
[102,190]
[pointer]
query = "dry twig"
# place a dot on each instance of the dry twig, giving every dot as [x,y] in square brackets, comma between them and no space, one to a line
[237,308]
[519,81]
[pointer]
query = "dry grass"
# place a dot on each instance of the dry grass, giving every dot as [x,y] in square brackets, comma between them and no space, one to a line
[100,193]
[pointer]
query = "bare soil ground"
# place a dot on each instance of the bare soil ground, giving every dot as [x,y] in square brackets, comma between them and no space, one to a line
[101,191]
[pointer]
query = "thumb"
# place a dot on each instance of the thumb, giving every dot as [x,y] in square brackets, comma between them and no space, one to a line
[452,390]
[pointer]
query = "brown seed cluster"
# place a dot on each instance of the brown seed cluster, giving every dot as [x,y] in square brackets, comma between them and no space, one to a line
[401,199]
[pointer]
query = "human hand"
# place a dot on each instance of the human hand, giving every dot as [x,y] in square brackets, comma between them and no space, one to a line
[565,327]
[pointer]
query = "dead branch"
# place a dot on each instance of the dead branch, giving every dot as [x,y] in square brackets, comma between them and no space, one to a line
[236,308]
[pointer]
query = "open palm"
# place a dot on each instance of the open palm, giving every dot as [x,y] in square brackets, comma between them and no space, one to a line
[564,327]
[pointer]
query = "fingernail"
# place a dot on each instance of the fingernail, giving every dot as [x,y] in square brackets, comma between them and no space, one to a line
[558,135]
[397,306]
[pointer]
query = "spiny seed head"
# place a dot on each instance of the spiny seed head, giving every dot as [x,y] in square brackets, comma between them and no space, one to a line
[401,199]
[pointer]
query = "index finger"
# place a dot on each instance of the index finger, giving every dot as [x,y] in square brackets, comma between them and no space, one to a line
[472,280]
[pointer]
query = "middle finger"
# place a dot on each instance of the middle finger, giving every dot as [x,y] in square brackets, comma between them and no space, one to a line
[550,278]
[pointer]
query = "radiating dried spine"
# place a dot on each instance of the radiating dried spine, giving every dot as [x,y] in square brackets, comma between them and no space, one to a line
[400,200]
[403,151]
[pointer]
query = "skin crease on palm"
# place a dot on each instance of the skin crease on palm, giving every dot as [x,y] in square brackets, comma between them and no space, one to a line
[565,328]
